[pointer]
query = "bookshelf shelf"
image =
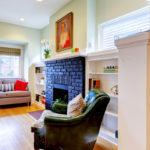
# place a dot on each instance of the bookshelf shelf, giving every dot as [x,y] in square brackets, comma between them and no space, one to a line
[102,73]
[111,113]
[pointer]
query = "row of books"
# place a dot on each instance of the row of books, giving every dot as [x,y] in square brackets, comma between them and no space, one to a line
[94,83]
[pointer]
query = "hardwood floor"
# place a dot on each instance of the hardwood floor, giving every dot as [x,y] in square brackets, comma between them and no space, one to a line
[102,144]
[15,129]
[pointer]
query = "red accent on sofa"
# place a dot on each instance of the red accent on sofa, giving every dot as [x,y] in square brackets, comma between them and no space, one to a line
[20,85]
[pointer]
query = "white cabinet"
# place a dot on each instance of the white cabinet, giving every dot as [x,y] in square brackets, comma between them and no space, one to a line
[40,83]
[95,64]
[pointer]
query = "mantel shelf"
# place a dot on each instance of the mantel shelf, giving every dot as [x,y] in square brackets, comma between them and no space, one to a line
[66,56]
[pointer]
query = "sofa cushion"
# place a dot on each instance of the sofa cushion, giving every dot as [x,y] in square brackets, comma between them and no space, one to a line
[2,94]
[17,93]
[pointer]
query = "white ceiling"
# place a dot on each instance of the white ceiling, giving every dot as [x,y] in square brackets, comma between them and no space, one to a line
[36,14]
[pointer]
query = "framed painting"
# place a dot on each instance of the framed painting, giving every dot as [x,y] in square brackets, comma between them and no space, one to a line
[64,33]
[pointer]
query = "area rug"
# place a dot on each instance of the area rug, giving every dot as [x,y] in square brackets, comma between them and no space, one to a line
[36,114]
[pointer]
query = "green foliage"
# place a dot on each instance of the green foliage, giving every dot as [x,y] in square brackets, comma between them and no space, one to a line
[46,51]
[59,100]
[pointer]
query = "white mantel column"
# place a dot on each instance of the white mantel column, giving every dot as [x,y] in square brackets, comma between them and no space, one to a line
[134,92]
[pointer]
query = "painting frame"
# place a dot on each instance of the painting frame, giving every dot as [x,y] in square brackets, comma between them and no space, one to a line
[64,33]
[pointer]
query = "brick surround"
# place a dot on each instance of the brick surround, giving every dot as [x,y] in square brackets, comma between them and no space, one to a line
[69,72]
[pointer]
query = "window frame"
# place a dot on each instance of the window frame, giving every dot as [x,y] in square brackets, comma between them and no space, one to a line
[21,59]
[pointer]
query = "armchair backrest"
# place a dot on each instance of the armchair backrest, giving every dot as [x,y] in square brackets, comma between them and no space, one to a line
[97,102]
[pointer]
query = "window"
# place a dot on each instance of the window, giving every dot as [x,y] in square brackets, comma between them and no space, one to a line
[132,23]
[10,62]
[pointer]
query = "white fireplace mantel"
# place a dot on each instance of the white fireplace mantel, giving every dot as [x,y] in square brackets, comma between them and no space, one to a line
[66,56]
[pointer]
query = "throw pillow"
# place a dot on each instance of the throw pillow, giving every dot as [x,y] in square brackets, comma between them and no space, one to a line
[20,85]
[12,86]
[9,87]
[76,106]
[6,87]
[3,88]
[0,87]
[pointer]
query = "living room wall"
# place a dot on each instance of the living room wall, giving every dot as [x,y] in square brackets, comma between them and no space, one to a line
[78,7]
[30,39]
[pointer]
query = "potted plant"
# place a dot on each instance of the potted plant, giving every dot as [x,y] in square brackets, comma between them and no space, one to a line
[45,48]
[47,53]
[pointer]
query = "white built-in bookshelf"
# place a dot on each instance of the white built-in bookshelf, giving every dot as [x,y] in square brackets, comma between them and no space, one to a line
[39,83]
[95,64]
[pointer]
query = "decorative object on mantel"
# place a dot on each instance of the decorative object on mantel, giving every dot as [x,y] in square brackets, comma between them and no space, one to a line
[64,33]
[45,48]
[75,50]
[46,53]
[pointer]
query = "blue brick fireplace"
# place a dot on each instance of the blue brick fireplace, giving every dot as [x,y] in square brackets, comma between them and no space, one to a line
[66,74]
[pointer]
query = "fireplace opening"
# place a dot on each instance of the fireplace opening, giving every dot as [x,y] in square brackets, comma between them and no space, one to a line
[60,93]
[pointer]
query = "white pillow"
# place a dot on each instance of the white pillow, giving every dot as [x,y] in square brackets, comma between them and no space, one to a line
[3,88]
[7,87]
[76,106]
[0,87]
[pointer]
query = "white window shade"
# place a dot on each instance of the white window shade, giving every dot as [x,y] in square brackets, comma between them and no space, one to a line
[123,26]
[10,63]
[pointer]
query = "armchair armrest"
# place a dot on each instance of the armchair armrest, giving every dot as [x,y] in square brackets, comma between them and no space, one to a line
[57,121]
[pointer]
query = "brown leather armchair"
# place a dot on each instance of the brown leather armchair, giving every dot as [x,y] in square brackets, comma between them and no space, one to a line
[76,133]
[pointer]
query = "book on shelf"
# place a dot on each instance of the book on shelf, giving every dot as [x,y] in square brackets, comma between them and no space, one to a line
[94,83]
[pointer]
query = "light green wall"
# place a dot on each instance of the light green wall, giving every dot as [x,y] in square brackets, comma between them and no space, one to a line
[109,9]
[78,7]
[91,25]
[45,32]
[30,38]
[45,35]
